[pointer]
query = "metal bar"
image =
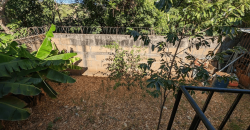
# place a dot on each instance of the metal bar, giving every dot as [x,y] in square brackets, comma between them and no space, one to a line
[246,40]
[248,127]
[244,91]
[194,125]
[247,45]
[236,101]
[176,104]
[229,64]
[197,109]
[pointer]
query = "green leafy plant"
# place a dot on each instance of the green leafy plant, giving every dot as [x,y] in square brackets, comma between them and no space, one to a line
[125,68]
[96,29]
[25,73]
[226,78]
[50,126]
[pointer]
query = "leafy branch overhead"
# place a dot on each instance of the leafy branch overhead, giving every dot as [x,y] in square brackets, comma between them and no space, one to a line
[25,73]
[193,20]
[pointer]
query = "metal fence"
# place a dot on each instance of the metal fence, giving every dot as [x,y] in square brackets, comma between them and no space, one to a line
[243,64]
[109,30]
[31,31]
[200,116]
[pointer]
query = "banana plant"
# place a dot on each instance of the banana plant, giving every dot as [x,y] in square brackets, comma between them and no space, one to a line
[25,73]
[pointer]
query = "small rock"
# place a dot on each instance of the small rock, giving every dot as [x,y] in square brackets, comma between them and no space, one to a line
[165,108]
[48,114]
[189,117]
[40,124]
[77,114]
[66,106]
[125,124]
[78,108]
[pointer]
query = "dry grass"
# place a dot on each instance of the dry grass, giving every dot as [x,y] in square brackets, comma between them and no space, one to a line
[91,103]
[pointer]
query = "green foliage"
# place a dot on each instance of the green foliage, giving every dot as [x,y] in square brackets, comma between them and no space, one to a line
[12,109]
[46,46]
[24,73]
[198,17]
[125,67]
[193,19]
[25,13]
[50,126]
[235,126]
[135,13]
[219,56]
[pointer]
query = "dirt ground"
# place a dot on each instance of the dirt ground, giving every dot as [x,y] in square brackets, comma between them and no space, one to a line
[91,103]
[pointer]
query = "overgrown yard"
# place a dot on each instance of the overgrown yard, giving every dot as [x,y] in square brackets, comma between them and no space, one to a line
[91,103]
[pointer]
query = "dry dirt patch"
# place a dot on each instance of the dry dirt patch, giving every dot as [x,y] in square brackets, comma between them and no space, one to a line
[91,103]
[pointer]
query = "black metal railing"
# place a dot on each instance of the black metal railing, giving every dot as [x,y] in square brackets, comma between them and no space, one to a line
[200,113]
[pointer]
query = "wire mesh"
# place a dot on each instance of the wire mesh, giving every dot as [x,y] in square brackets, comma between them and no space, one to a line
[244,62]
[32,31]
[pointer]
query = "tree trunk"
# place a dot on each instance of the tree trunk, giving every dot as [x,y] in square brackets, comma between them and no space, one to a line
[2,18]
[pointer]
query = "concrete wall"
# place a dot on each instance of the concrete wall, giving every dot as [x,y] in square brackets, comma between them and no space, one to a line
[88,47]
[33,42]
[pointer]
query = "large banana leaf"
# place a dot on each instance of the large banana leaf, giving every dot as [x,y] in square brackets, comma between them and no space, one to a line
[51,30]
[33,53]
[5,40]
[27,72]
[25,54]
[12,48]
[35,81]
[47,89]
[12,109]
[65,56]
[27,80]
[58,76]
[54,52]
[7,68]
[5,58]
[18,88]
[57,60]
[6,37]
[59,67]
[44,49]
[46,46]
[53,62]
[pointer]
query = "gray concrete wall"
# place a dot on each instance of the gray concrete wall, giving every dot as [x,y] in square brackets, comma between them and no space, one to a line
[33,42]
[89,48]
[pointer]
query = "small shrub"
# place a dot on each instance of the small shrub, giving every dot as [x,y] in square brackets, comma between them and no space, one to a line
[125,68]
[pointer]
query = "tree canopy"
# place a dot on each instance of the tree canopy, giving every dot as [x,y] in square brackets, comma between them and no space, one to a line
[166,14]
[26,13]
[128,13]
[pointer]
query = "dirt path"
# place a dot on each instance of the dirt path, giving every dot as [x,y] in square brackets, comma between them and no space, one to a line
[91,103]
